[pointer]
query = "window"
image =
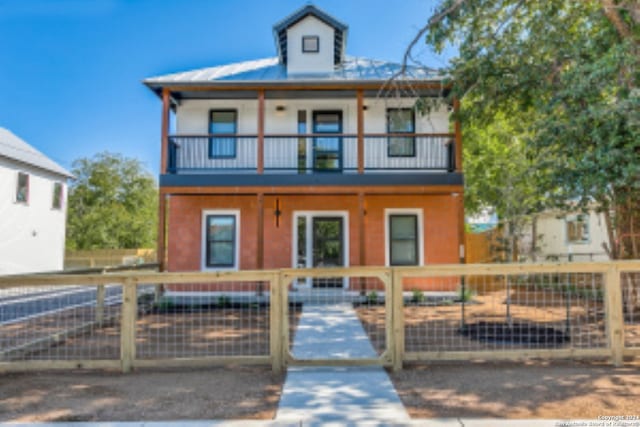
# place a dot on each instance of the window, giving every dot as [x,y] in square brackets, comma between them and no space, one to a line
[310,44]
[401,121]
[221,234]
[403,236]
[22,188]
[578,229]
[57,196]
[222,122]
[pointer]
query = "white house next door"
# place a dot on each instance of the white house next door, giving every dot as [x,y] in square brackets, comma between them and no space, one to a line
[320,241]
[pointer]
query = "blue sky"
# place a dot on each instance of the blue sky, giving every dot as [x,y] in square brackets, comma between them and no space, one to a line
[71,70]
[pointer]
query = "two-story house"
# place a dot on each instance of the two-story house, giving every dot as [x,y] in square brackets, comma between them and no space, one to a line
[33,209]
[311,158]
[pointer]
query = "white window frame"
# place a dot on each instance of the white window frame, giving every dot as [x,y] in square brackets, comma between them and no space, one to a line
[309,236]
[387,232]
[203,238]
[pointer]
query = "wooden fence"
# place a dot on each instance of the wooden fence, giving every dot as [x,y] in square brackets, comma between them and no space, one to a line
[107,257]
[573,310]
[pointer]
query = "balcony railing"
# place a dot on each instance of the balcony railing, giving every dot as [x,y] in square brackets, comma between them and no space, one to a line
[311,153]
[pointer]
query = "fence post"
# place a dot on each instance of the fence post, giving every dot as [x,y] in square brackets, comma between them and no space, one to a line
[275,322]
[614,316]
[397,320]
[100,295]
[128,324]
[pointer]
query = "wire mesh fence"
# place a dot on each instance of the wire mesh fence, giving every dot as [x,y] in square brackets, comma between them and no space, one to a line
[60,322]
[205,319]
[381,315]
[630,284]
[546,311]
[339,318]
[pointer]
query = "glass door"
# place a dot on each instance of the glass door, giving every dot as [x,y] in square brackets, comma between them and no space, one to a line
[327,151]
[327,249]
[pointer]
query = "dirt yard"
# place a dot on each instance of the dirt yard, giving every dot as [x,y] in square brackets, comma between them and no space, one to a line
[212,393]
[561,390]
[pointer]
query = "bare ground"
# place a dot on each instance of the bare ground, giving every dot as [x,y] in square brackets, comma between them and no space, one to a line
[561,390]
[211,393]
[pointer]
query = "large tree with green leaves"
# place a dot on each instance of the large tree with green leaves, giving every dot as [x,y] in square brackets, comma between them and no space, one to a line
[113,204]
[571,69]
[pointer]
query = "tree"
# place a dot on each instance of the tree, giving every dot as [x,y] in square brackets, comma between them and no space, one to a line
[571,69]
[112,204]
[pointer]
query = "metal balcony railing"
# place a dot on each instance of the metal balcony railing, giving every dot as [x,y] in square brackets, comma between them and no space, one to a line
[310,153]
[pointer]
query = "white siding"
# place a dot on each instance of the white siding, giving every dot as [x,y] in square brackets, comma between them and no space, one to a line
[554,238]
[299,62]
[32,236]
[193,119]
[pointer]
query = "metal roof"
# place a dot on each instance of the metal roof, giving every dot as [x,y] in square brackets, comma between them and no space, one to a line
[340,31]
[15,148]
[270,70]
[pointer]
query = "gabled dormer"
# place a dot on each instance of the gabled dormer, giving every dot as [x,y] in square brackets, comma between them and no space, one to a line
[310,41]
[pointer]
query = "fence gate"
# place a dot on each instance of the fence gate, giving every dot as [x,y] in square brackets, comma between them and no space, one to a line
[337,316]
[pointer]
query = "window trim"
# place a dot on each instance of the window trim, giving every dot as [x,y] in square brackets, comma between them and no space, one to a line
[418,213]
[400,134]
[587,221]
[235,139]
[17,188]
[204,241]
[316,50]
[53,198]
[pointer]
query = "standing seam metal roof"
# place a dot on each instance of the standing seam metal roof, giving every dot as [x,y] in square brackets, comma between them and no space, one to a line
[271,70]
[14,148]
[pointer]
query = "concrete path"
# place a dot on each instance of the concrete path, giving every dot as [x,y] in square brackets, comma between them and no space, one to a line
[338,396]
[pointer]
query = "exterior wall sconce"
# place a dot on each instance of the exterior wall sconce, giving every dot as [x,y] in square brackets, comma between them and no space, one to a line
[365,107]
[280,108]
[277,212]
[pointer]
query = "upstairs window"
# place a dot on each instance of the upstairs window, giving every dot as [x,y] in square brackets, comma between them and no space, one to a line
[57,196]
[223,122]
[22,188]
[578,229]
[401,121]
[310,44]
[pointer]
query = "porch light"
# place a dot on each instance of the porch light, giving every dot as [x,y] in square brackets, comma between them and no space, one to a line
[365,107]
[280,108]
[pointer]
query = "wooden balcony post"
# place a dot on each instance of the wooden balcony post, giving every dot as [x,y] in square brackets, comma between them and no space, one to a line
[164,131]
[360,115]
[458,136]
[161,248]
[261,131]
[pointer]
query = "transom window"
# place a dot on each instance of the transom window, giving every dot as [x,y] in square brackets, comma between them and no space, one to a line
[578,229]
[401,121]
[57,196]
[223,122]
[310,44]
[403,239]
[22,188]
[221,240]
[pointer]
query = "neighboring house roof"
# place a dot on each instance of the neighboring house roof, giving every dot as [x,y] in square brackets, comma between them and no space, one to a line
[270,70]
[340,31]
[14,148]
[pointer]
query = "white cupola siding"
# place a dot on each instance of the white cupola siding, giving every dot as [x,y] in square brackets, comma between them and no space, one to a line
[300,61]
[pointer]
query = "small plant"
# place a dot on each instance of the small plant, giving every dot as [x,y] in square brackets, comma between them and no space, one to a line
[465,295]
[417,296]
[164,304]
[224,301]
[372,297]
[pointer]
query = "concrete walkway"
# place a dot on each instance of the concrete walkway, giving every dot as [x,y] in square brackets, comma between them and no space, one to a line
[339,396]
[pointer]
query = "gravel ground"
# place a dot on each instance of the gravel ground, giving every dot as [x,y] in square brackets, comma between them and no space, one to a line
[563,390]
[213,393]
